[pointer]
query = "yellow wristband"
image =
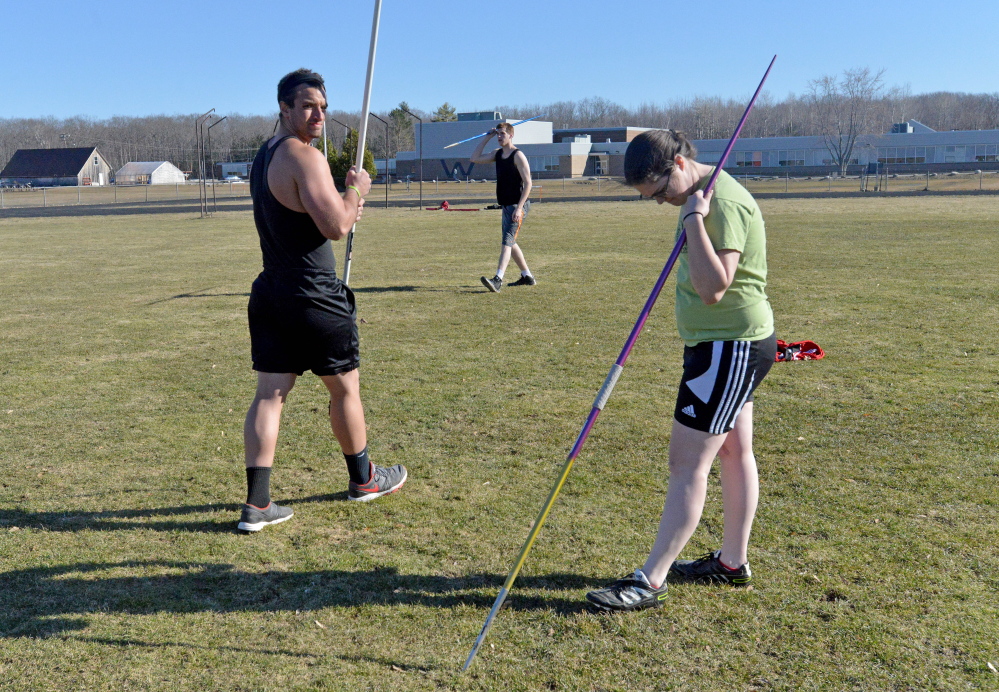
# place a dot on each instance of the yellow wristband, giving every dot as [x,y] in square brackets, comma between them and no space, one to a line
[351,187]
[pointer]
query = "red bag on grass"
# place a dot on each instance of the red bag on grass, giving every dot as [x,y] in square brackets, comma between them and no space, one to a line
[798,350]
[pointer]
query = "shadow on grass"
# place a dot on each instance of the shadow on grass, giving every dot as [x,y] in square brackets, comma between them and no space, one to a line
[128,643]
[51,601]
[118,519]
[384,289]
[199,293]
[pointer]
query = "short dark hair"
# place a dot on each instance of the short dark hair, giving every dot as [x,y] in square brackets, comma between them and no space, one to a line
[652,154]
[290,82]
[506,127]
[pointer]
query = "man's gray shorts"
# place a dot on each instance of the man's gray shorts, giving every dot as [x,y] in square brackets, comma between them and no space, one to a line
[511,227]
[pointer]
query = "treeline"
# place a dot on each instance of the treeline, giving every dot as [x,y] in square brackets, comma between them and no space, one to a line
[715,118]
[237,138]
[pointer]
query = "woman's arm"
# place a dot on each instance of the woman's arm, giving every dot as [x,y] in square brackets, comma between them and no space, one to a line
[711,271]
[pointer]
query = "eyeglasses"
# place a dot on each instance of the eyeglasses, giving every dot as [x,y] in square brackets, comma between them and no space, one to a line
[660,194]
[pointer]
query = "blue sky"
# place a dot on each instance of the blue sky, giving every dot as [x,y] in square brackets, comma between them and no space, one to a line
[133,58]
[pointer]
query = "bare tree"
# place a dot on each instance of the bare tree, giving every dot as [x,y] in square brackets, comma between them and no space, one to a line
[844,109]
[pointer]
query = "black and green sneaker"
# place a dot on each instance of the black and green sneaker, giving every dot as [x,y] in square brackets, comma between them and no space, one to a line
[709,568]
[633,592]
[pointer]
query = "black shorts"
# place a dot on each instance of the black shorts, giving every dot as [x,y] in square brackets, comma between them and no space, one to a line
[302,321]
[718,379]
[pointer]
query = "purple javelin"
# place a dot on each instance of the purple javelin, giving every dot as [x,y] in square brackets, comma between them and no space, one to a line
[605,391]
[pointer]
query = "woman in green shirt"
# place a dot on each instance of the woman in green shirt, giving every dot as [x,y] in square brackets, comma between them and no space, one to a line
[726,323]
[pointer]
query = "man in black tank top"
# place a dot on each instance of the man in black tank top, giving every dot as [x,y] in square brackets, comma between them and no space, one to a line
[301,316]
[513,188]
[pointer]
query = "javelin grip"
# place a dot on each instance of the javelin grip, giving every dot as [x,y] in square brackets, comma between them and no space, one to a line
[605,391]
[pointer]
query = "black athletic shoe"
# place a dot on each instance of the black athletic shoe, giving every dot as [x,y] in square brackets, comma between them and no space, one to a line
[630,593]
[494,284]
[709,568]
[253,519]
[384,480]
[523,281]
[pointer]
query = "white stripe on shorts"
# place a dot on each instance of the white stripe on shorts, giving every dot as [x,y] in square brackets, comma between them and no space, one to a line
[736,372]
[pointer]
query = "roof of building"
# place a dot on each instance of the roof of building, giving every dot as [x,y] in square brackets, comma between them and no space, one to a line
[142,167]
[919,128]
[47,163]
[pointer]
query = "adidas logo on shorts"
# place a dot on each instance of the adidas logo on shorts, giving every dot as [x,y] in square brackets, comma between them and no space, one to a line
[688,411]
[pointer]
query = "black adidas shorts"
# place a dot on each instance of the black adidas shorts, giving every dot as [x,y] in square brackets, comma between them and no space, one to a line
[302,321]
[718,379]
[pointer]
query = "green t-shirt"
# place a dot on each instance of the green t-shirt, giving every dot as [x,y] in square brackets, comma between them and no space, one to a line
[734,222]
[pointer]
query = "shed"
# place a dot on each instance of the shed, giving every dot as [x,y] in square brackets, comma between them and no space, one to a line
[52,167]
[148,173]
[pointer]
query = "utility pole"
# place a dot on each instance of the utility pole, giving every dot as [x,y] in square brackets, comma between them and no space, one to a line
[199,138]
[386,156]
[421,152]
[211,160]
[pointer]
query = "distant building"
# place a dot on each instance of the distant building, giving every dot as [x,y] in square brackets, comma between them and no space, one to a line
[55,167]
[546,157]
[240,168]
[149,173]
[380,167]
[910,147]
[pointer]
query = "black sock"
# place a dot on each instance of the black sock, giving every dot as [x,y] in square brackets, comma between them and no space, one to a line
[258,486]
[358,466]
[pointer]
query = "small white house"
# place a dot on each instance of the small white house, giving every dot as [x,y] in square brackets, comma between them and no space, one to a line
[148,173]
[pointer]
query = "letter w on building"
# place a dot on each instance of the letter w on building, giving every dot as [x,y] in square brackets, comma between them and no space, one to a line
[457,169]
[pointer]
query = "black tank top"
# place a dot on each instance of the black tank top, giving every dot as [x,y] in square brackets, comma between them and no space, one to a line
[289,240]
[509,184]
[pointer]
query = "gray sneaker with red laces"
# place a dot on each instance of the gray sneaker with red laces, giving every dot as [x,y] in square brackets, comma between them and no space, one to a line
[384,480]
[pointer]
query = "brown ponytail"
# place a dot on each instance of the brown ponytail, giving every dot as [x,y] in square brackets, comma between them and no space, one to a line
[652,154]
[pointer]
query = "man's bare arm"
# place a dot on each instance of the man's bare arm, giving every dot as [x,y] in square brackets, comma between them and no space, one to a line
[477,155]
[333,214]
[520,160]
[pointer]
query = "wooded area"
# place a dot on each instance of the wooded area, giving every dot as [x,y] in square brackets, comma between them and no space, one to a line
[856,100]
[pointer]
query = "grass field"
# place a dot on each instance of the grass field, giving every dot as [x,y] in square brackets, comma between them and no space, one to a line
[125,375]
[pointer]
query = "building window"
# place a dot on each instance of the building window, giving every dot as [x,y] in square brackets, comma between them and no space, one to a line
[793,157]
[749,158]
[892,155]
[543,163]
[985,152]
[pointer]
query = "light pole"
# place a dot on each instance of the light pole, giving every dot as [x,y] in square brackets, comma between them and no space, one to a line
[211,160]
[421,152]
[386,156]
[199,139]
[346,132]
[346,128]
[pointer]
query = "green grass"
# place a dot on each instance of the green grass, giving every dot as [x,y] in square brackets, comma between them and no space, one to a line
[125,376]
